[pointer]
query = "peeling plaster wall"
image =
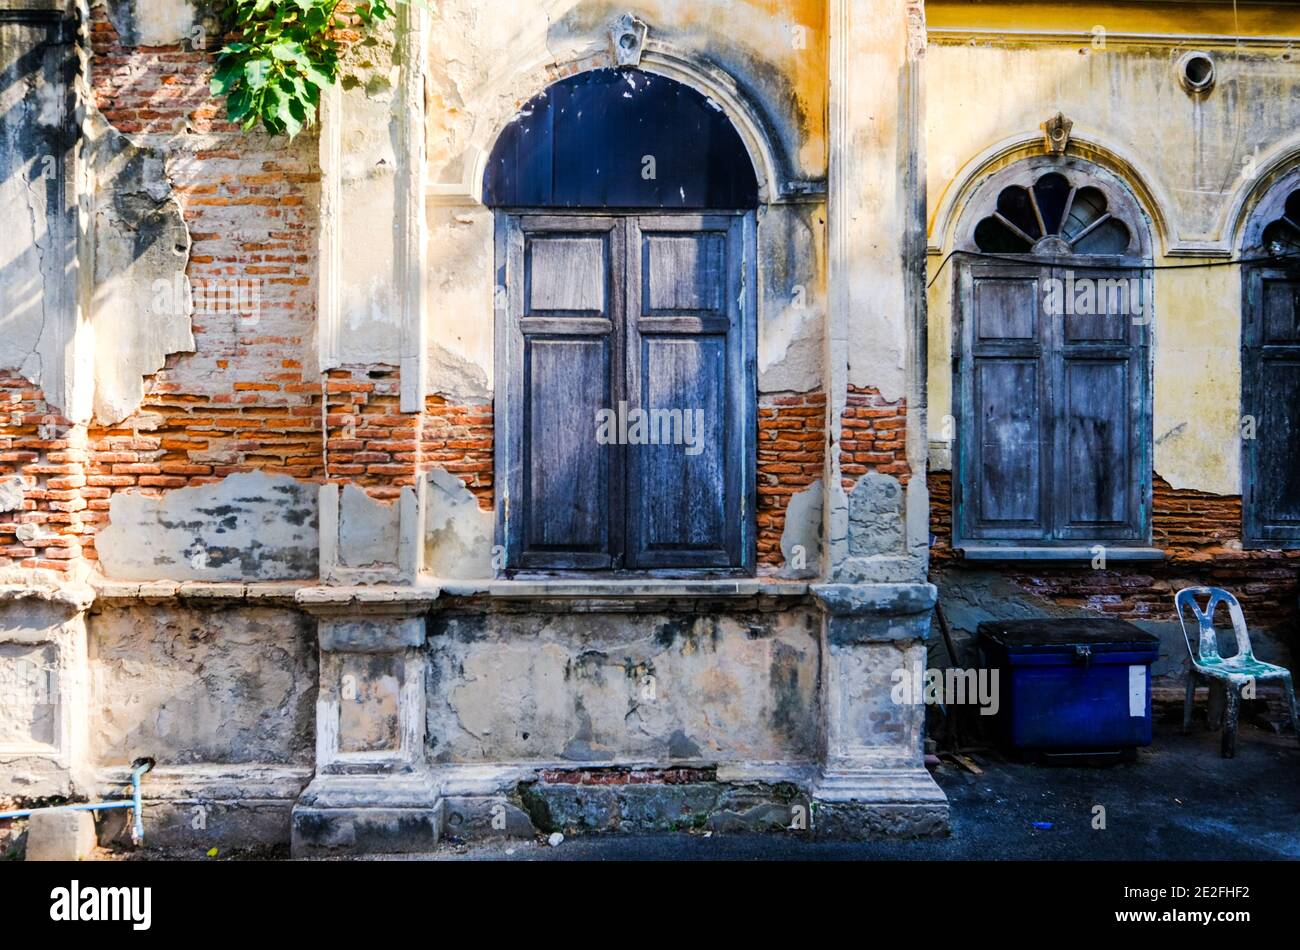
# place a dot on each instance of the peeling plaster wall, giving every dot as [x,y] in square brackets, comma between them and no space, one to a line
[1195,163]
[249,526]
[141,299]
[159,22]
[209,685]
[38,244]
[458,533]
[624,687]
[42,713]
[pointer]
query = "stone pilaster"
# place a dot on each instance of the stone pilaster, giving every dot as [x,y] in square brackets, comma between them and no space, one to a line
[873,779]
[373,791]
[43,690]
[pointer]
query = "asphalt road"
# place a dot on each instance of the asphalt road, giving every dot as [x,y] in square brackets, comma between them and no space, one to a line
[1179,800]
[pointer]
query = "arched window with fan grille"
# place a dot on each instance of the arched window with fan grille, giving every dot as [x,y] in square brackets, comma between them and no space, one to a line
[1053,308]
[1270,356]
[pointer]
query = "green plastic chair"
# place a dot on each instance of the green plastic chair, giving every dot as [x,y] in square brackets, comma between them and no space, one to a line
[1233,671]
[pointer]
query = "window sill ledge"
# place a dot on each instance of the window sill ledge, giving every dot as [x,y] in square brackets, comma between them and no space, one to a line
[624,590]
[1085,554]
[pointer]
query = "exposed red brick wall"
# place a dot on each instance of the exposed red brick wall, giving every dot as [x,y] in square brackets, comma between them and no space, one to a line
[1201,535]
[38,444]
[791,456]
[249,201]
[241,401]
[369,441]
[621,776]
[459,438]
[873,436]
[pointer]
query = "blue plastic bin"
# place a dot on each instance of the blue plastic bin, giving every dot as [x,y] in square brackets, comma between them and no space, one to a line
[1071,685]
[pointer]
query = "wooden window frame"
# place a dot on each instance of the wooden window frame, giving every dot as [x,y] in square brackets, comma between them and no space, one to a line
[1256,532]
[1046,254]
[509,455]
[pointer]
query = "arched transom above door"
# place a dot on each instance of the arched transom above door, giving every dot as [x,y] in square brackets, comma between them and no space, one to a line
[1279,223]
[1057,209]
[621,138]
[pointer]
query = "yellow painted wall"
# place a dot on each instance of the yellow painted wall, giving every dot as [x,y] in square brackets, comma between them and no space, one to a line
[1196,164]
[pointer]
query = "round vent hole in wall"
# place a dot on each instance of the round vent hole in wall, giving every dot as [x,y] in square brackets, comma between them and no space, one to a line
[1196,72]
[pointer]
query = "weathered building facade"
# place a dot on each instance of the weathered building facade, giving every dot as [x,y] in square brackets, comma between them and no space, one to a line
[304,490]
[1181,127]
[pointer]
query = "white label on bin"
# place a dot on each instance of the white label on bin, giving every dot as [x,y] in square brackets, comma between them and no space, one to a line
[1137,690]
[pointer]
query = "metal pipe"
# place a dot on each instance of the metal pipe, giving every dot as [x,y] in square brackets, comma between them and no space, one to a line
[138,768]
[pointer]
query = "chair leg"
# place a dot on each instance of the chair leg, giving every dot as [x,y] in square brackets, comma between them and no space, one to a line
[1231,712]
[1215,705]
[1295,716]
[1187,703]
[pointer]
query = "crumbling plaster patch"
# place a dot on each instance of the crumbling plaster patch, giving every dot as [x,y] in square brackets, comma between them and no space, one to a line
[792,280]
[189,685]
[248,526]
[12,492]
[369,530]
[623,687]
[42,669]
[458,533]
[140,308]
[801,537]
[159,22]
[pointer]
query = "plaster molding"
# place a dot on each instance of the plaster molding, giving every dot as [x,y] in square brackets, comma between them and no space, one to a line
[660,58]
[961,36]
[1279,163]
[1150,197]
[409,270]
[412,267]
[329,244]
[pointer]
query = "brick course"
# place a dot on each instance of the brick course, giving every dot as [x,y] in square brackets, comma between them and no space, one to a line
[791,456]
[459,438]
[43,448]
[873,436]
[1201,536]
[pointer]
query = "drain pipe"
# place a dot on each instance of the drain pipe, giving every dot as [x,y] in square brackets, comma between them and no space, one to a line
[138,768]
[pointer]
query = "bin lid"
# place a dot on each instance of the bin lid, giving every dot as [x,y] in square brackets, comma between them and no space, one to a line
[1050,634]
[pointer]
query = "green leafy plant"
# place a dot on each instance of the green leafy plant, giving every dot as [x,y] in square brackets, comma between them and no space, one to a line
[285,54]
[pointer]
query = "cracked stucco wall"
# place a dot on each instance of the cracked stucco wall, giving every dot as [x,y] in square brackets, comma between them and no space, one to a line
[458,534]
[191,685]
[38,244]
[248,526]
[623,687]
[137,240]
[140,306]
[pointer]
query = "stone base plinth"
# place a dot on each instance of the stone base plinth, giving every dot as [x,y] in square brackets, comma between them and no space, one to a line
[370,814]
[877,803]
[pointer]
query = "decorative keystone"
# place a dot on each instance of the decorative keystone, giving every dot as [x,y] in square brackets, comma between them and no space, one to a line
[627,37]
[1056,133]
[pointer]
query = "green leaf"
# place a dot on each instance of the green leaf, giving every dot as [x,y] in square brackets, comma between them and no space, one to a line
[256,72]
[229,71]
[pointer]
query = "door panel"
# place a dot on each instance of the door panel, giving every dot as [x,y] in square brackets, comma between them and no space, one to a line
[566,473]
[1102,464]
[562,350]
[1000,458]
[1052,397]
[567,274]
[1008,466]
[1271,398]
[1094,466]
[686,502]
[646,321]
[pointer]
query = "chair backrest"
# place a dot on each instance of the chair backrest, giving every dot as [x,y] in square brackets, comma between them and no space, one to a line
[1206,646]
